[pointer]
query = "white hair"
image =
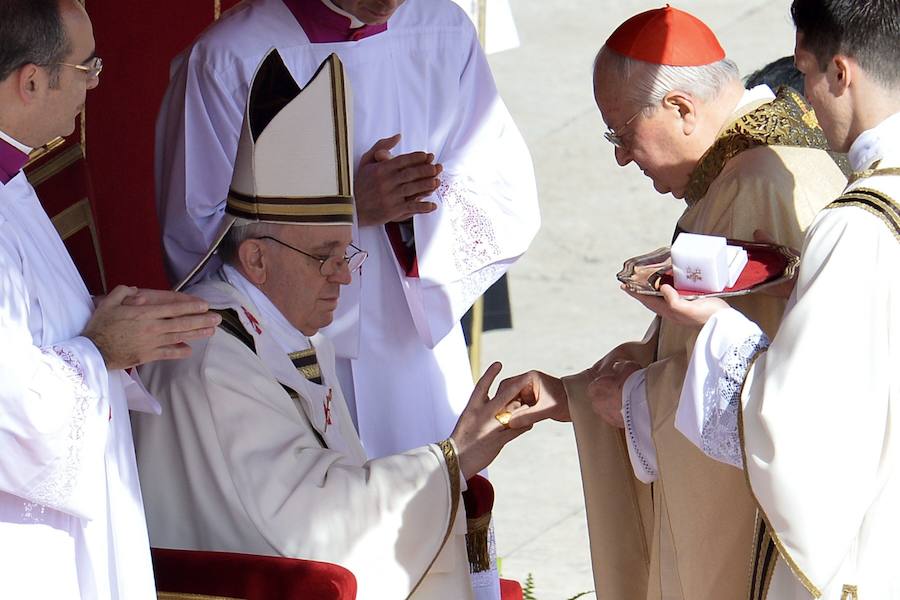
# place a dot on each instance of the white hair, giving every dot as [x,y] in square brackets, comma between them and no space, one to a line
[240,231]
[646,84]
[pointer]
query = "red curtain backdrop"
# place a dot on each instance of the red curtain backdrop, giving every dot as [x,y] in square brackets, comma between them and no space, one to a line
[137,41]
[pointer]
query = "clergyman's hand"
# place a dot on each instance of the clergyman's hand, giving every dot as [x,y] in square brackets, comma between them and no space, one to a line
[540,396]
[131,327]
[478,435]
[605,392]
[693,313]
[390,188]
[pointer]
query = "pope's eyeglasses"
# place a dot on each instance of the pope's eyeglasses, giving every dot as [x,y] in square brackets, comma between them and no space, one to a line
[328,265]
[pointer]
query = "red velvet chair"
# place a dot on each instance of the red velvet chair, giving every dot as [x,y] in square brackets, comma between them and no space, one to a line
[187,574]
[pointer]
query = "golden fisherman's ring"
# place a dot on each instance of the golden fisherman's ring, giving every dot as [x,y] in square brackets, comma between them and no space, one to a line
[503,418]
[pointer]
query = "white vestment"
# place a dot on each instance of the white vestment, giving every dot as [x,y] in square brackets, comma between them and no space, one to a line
[71,520]
[401,354]
[819,409]
[236,464]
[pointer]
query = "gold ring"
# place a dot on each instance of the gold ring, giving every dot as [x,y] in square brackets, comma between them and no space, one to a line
[503,418]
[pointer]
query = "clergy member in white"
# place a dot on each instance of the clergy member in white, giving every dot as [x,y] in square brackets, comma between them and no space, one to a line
[256,451]
[442,220]
[71,521]
[813,417]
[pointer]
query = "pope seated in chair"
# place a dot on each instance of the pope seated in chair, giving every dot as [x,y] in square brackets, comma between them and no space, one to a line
[256,451]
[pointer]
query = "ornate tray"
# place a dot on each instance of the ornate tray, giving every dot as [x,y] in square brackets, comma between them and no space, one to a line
[767,265]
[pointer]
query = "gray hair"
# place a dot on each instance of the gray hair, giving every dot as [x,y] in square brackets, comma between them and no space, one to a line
[239,232]
[33,33]
[646,84]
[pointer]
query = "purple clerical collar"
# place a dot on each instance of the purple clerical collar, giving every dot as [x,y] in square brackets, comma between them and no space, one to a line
[11,161]
[323,25]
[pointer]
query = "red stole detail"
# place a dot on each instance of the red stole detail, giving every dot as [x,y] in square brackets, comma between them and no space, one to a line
[322,25]
[406,255]
[11,161]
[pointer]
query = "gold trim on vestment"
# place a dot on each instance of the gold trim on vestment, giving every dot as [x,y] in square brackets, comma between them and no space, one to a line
[452,462]
[185,596]
[857,175]
[783,122]
[849,592]
[266,210]
[762,560]
[874,202]
[477,543]
[798,572]
[341,133]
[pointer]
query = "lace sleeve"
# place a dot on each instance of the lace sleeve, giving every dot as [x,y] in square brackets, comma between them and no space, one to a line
[719,436]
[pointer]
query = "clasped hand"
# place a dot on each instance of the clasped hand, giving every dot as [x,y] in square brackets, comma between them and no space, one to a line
[132,326]
[391,188]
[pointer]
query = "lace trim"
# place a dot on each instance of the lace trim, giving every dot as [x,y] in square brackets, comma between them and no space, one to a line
[490,577]
[476,247]
[56,488]
[633,442]
[720,436]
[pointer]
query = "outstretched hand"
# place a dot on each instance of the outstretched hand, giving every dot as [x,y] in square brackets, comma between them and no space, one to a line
[539,396]
[390,188]
[693,313]
[478,435]
[132,326]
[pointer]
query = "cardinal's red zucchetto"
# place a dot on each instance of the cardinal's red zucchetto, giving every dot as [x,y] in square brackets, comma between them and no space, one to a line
[666,36]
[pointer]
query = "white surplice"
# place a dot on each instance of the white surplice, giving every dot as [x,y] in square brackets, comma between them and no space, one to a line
[819,409]
[236,464]
[401,354]
[71,520]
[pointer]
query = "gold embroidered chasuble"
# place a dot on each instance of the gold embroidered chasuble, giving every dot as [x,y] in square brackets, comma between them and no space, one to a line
[767,170]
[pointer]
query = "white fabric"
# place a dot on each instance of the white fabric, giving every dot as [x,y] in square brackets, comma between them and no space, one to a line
[500,29]
[875,144]
[638,427]
[245,468]
[71,519]
[707,410]
[820,406]
[427,78]
[289,338]
[15,143]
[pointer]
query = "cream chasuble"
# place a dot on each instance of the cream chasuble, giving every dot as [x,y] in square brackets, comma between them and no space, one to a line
[819,407]
[400,351]
[251,456]
[766,171]
[71,520]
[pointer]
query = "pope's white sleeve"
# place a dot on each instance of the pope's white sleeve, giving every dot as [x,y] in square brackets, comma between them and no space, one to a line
[487,204]
[638,427]
[710,398]
[385,519]
[53,407]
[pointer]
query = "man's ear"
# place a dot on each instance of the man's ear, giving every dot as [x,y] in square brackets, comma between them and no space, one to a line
[253,261]
[29,80]
[840,74]
[685,108]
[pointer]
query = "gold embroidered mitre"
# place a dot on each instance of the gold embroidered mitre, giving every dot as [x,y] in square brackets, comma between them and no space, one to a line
[293,157]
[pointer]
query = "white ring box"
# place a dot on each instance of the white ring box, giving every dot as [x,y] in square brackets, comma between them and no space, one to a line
[706,263]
